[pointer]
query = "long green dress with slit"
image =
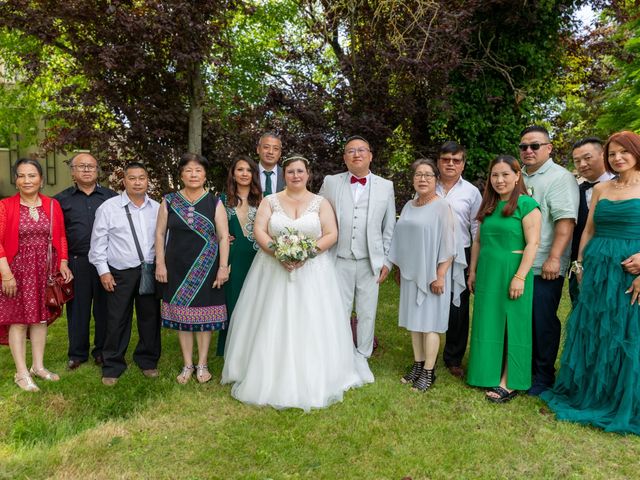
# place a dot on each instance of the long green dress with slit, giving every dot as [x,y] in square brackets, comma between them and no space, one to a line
[599,378]
[241,254]
[501,326]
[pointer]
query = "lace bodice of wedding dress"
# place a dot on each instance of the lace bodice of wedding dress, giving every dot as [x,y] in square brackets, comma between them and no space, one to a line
[308,223]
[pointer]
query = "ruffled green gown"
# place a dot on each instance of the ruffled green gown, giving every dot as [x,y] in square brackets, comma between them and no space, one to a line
[599,378]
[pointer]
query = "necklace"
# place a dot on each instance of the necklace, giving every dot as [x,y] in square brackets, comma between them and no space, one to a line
[422,203]
[188,197]
[33,208]
[618,185]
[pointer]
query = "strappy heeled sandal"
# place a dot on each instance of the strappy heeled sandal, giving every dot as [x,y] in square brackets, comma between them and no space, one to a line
[426,379]
[413,373]
[202,373]
[26,383]
[185,374]
[44,374]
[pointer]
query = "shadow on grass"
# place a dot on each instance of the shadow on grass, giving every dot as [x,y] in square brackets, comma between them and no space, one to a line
[79,401]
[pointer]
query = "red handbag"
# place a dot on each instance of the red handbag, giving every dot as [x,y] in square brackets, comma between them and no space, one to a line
[56,292]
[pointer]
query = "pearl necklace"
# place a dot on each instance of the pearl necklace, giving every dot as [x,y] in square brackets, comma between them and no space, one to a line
[33,209]
[621,186]
[419,203]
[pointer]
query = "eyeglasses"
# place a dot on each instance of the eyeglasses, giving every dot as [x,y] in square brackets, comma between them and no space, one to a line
[84,167]
[426,176]
[534,146]
[352,151]
[455,161]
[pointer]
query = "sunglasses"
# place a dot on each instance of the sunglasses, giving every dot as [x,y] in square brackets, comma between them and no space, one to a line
[533,146]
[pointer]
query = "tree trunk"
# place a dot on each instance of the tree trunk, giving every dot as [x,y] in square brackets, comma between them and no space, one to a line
[195,110]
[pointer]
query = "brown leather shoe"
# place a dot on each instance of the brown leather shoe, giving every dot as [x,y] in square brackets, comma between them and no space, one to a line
[456,371]
[109,381]
[73,364]
[151,372]
[99,360]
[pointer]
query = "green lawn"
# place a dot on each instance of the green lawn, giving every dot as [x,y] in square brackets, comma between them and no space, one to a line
[145,428]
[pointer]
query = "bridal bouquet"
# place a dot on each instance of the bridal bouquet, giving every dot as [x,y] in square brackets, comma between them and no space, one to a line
[293,246]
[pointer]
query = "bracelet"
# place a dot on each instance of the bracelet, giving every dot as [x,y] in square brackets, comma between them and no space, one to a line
[515,275]
[576,267]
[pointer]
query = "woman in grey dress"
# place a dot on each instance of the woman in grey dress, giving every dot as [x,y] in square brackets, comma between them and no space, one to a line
[424,248]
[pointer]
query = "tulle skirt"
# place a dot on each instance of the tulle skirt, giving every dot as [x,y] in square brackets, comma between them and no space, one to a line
[599,378]
[290,343]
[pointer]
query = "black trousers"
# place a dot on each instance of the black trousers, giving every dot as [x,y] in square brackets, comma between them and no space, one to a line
[546,329]
[88,293]
[120,305]
[458,332]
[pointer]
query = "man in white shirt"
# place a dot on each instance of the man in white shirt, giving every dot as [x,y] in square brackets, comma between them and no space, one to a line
[464,199]
[588,158]
[271,175]
[114,254]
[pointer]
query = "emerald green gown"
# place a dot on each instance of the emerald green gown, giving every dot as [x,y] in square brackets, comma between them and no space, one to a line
[599,378]
[496,317]
[241,254]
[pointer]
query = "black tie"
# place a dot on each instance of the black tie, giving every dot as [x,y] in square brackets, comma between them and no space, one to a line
[583,213]
[267,183]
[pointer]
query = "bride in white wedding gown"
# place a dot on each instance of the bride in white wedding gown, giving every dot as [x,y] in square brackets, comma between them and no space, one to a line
[289,343]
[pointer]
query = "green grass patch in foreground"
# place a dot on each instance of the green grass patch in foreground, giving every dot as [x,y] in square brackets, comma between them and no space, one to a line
[155,428]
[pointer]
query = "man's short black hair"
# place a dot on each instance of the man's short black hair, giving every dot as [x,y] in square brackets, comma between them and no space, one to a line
[586,140]
[536,128]
[453,148]
[141,165]
[357,137]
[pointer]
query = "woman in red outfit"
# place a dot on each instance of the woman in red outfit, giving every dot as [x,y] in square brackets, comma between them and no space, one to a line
[24,240]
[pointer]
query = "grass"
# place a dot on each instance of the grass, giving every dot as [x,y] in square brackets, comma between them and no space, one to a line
[155,428]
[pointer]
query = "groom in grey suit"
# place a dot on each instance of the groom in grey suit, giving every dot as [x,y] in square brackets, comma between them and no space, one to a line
[365,209]
[271,175]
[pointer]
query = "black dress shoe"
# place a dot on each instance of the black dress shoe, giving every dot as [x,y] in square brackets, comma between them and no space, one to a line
[99,360]
[73,364]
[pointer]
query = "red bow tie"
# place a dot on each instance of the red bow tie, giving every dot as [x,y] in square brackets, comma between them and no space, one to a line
[361,181]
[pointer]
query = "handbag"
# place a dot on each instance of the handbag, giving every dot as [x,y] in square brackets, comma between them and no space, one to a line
[147,270]
[57,292]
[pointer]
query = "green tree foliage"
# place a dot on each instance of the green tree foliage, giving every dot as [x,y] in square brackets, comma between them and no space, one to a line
[406,75]
[621,108]
[142,66]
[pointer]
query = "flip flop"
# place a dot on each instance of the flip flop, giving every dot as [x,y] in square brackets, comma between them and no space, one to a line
[504,395]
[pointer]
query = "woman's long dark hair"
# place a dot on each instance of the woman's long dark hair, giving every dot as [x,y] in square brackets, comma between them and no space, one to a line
[255,190]
[490,197]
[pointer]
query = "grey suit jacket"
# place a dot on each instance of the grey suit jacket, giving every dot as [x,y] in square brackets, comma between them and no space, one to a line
[381,215]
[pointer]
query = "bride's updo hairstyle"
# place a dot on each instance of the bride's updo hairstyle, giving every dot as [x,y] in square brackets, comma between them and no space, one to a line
[297,158]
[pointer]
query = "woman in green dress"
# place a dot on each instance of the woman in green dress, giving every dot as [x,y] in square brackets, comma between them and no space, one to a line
[599,378]
[500,278]
[241,201]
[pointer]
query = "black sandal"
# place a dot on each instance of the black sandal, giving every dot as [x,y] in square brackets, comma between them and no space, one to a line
[413,373]
[504,395]
[426,379]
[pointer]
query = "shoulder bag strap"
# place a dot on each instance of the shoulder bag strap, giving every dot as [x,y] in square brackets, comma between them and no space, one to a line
[50,242]
[135,237]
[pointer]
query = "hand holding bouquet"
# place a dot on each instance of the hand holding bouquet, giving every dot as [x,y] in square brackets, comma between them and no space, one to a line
[293,248]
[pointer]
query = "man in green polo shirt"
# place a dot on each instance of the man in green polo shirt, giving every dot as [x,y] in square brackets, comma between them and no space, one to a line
[556,190]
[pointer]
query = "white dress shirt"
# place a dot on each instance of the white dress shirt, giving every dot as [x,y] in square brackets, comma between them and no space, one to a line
[273,178]
[602,178]
[465,200]
[111,239]
[357,189]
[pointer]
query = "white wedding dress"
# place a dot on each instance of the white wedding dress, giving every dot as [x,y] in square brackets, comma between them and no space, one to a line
[289,343]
